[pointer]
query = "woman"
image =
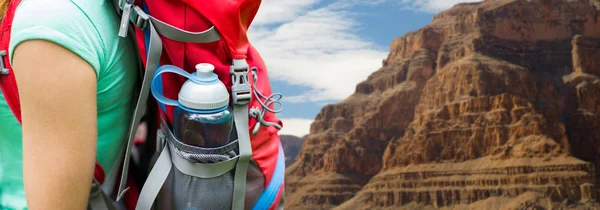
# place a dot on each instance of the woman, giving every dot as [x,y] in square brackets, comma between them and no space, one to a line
[75,78]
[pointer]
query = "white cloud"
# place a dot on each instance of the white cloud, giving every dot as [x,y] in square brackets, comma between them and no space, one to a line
[295,126]
[314,46]
[280,11]
[432,6]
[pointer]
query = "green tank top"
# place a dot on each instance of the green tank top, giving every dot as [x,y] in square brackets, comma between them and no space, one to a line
[89,29]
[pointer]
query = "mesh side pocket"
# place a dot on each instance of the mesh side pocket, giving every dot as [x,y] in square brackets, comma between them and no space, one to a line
[184,192]
[205,158]
[198,193]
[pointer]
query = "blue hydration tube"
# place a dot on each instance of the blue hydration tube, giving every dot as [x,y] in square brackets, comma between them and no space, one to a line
[270,194]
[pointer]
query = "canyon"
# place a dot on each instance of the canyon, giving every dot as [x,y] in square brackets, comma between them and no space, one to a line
[493,105]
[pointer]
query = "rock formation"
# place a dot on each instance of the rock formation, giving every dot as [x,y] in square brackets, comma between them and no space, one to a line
[291,147]
[493,104]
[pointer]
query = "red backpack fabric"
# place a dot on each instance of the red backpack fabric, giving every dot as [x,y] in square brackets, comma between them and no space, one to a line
[8,85]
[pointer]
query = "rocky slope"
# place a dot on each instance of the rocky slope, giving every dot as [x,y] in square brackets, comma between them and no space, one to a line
[291,147]
[493,103]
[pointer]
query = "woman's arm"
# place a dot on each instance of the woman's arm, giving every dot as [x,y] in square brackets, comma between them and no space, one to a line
[58,104]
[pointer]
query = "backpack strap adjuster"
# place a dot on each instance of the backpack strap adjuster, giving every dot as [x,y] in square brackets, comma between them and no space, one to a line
[240,89]
[3,69]
[139,18]
[133,13]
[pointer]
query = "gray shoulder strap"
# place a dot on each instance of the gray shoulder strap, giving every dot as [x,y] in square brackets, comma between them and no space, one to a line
[98,199]
[154,52]
[130,12]
[176,34]
[239,186]
[111,178]
[155,180]
[240,91]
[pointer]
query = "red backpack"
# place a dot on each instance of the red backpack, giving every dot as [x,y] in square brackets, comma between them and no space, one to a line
[182,34]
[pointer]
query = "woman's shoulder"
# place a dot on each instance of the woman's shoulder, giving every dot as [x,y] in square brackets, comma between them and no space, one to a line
[67,12]
[86,27]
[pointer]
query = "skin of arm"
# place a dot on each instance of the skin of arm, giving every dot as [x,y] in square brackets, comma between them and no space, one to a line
[57,89]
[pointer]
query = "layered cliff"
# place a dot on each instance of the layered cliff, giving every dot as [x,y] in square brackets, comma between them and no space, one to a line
[492,102]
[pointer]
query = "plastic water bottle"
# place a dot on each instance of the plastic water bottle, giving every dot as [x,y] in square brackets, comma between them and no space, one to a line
[203,117]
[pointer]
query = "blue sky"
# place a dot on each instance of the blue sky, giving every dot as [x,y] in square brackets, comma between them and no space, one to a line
[317,51]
